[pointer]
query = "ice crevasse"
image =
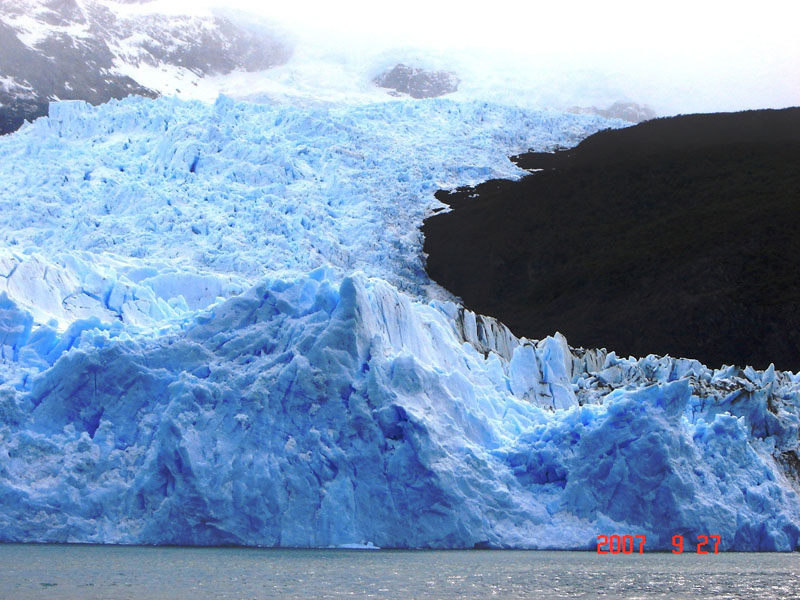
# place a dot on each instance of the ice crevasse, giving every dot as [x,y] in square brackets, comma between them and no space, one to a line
[170,377]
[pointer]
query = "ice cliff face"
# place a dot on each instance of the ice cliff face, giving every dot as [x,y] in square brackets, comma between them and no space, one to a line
[215,328]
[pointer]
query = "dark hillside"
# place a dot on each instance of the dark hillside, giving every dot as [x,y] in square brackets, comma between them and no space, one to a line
[678,236]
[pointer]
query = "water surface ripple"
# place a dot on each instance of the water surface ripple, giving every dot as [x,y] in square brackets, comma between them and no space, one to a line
[136,572]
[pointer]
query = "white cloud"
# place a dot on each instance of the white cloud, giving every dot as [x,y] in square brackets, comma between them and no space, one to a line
[681,55]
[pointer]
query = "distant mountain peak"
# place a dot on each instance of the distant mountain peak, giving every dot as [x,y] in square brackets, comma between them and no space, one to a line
[95,50]
[417,82]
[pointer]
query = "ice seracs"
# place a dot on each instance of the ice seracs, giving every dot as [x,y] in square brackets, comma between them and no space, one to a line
[246,189]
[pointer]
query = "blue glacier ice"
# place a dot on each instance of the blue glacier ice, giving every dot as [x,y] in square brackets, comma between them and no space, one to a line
[215,328]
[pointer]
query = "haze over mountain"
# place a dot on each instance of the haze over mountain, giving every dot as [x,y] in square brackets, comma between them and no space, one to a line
[678,57]
[543,57]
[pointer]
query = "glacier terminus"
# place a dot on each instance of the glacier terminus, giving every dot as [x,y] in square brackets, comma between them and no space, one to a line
[216,328]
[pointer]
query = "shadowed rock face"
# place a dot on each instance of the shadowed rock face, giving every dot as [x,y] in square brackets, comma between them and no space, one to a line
[678,236]
[56,49]
[418,83]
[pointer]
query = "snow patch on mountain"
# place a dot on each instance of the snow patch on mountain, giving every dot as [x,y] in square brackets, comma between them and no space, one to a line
[95,50]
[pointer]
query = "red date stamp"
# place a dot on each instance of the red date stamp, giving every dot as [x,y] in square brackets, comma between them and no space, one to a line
[628,544]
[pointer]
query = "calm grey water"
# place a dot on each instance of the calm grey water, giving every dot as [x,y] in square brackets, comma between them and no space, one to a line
[135,572]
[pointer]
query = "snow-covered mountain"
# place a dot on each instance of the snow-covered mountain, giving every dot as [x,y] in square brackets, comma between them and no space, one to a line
[95,50]
[216,327]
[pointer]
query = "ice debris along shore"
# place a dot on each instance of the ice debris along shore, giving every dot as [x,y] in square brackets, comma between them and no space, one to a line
[266,382]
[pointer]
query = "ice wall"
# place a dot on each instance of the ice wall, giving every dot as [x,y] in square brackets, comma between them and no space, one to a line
[315,413]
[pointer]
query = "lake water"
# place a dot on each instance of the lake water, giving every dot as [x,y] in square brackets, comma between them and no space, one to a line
[136,572]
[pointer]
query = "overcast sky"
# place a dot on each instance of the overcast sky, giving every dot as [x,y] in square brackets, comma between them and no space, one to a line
[685,55]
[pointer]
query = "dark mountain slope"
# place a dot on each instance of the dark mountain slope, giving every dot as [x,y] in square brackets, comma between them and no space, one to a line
[677,236]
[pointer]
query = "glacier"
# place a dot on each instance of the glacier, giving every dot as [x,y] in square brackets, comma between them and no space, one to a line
[216,328]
